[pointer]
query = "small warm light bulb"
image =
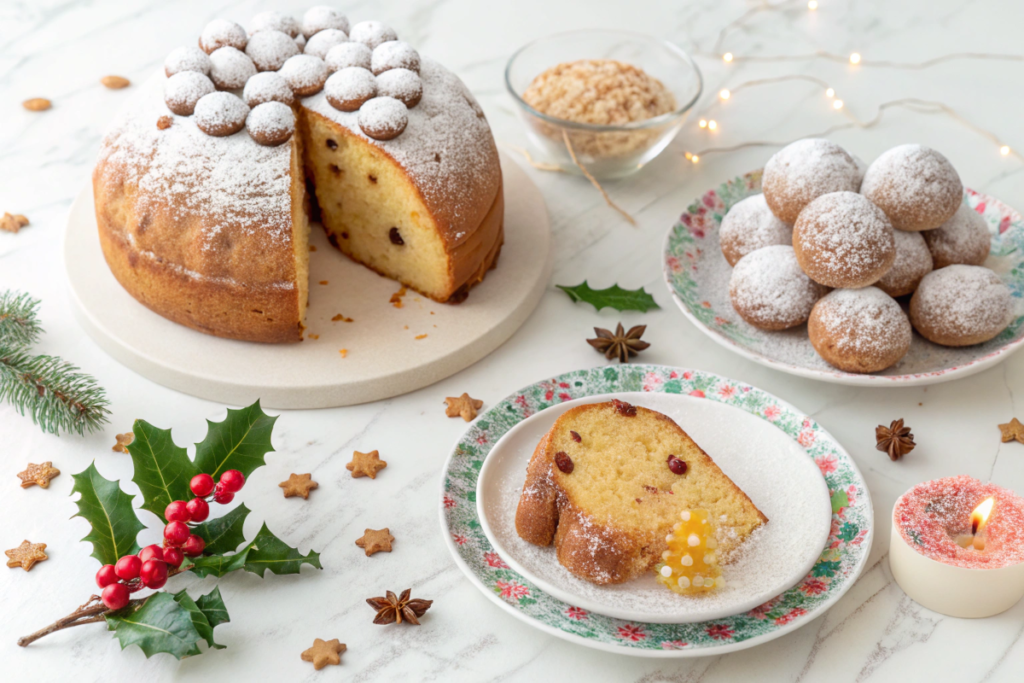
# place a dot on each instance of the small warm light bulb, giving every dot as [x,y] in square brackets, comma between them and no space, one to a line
[712,124]
[830,93]
[727,57]
[855,58]
[694,158]
[724,94]
[838,104]
[812,5]
[1004,150]
[703,123]
[689,156]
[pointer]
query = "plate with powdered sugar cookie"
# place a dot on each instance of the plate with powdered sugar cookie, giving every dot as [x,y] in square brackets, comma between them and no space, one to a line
[890,273]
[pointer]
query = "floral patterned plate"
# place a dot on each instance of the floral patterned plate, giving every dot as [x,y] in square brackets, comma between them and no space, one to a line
[698,277]
[840,563]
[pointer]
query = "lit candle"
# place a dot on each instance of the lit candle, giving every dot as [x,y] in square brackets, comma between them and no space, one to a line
[957,546]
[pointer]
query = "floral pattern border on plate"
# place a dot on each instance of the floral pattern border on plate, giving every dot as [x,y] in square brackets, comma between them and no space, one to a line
[838,567]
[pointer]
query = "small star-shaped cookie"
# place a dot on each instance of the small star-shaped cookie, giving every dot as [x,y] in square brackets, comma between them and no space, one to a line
[365,464]
[375,541]
[324,652]
[298,485]
[26,555]
[1012,430]
[38,475]
[462,406]
[122,442]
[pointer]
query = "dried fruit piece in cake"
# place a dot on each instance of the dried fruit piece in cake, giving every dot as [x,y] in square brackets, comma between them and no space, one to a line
[690,565]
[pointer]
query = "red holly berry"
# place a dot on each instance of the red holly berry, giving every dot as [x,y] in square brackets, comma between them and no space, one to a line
[222,495]
[177,512]
[232,481]
[202,485]
[128,567]
[106,576]
[154,574]
[194,546]
[173,557]
[151,552]
[176,533]
[115,596]
[199,509]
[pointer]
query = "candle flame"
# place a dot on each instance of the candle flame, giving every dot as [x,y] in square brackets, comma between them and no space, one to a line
[981,514]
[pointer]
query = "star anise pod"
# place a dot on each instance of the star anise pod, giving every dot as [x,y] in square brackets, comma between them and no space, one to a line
[896,440]
[621,344]
[392,609]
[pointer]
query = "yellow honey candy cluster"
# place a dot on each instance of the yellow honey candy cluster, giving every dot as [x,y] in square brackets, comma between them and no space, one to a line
[690,565]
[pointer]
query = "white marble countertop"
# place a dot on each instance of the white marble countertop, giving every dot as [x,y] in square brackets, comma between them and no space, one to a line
[59,49]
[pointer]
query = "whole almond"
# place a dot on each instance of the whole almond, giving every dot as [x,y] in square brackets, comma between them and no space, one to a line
[115,82]
[36,104]
[164,122]
[13,223]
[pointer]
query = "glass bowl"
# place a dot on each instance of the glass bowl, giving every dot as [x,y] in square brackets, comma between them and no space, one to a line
[606,151]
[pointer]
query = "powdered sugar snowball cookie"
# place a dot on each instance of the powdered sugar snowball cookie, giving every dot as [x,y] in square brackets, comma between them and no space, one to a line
[913,262]
[230,68]
[306,74]
[769,291]
[322,17]
[394,54]
[269,50]
[372,33]
[222,33]
[859,330]
[750,225]
[321,43]
[271,123]
[402,84]
[274,21]
[300,40]
[963,239]
[961,305]
[383,118]
[843,240]
[801,172]
[916,187]
[350,88]
[187,58]
[348,54]
[220,114]
[862,168]
[183,90]
[268,86]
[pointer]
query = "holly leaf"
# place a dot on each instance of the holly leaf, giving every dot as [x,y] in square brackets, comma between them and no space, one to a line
[267,551]
[240,442]
[224,534]
[612,297]
[218,565]
[213,607]
[161,624]
[162,469]
[199,621]
[109,510]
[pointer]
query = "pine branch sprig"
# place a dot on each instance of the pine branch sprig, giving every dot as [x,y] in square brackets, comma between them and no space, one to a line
[19,319]
[51,391]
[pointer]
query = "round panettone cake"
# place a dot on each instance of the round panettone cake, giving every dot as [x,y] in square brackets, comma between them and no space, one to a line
[206,182]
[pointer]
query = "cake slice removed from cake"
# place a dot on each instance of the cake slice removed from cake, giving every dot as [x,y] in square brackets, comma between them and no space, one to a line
[609,480]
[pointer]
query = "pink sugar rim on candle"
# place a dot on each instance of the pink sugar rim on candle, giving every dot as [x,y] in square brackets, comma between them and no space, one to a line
[931,514]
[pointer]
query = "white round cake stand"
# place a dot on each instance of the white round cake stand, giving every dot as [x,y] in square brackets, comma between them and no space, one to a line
[388,351]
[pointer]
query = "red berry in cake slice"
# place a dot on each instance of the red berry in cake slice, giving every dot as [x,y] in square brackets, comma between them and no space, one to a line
[128,567]
[177,512]
[115,596]
[198,509]
[232,481]
[151,552]
[194,546]
[106,576]
[202,485]
[176,533]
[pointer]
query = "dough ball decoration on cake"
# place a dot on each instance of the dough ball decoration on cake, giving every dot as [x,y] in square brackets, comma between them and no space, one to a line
[402,84]
[913,262]
[750,225]
[348,54]
[383,118]
[306,74]
[222,33]
[322,42]
[322,17]
[268,86]
[690,565]
[963,239]
[274,21]
[183,90]
[801,172]
[916,187]
[187,58]
[230,68]
[220,114]
[394,54]
[271,123]
[770,291]
[961,305]
[843,240]
[859,330]
[372,33]
[269,50]
[350,88]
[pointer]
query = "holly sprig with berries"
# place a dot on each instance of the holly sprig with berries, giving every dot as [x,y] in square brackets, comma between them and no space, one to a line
[179,490]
